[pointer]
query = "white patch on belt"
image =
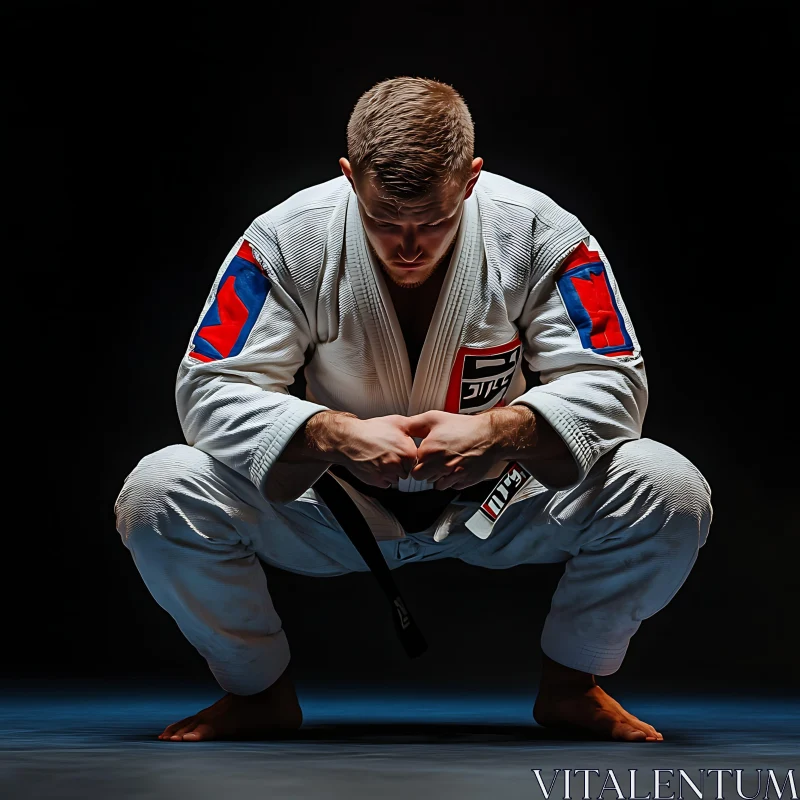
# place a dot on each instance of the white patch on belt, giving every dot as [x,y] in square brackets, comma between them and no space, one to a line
[508,485]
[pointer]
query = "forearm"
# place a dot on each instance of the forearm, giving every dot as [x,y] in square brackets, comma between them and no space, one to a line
[523,436]
[313,448]
[318,439]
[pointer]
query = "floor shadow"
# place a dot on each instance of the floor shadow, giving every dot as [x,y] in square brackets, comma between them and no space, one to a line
[405,733]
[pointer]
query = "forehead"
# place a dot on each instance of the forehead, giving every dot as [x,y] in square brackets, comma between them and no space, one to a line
[380,205]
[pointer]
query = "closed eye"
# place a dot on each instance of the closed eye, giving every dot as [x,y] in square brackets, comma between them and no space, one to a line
[393,225]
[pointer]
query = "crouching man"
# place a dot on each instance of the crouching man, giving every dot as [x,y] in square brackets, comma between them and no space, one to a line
[410,289]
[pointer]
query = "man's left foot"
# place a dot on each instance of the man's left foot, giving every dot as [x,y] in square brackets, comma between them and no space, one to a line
[595,712]
[572,700]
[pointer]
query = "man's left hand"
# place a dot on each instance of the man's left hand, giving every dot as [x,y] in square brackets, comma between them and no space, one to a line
[457,450]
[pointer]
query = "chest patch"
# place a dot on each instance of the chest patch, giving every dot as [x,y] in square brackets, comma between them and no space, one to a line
[590,302]
[481,377]
[241,294]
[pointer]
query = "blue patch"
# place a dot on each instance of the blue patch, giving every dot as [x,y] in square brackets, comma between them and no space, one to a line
[592,307]
[241,293]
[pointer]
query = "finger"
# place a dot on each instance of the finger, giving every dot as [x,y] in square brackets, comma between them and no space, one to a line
[464,482]
[419,471]
[399,471]
[449,481]
[430,476]
[407,465]
[420,424]
[445,483]
[374,479]
[430,469]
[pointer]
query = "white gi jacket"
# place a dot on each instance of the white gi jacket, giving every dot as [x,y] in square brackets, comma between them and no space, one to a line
[301,286]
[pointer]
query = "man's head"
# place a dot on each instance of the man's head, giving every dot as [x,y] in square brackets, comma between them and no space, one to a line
[410,161]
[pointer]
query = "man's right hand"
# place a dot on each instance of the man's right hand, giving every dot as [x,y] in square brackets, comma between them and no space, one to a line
[377,451]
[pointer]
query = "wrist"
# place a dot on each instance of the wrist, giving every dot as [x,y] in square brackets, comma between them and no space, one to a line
[326,432]
[513,431]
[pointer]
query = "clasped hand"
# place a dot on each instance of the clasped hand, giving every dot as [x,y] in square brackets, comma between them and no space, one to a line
[455,451]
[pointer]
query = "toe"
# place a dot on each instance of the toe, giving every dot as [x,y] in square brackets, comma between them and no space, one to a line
[177,736]
[201,733]
[627,733]
[170,729]
[652,733]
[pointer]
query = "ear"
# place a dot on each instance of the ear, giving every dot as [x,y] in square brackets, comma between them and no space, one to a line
[347,171]
[475,173]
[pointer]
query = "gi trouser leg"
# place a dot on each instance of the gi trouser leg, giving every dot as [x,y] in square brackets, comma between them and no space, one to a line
[195,529]
[629,533]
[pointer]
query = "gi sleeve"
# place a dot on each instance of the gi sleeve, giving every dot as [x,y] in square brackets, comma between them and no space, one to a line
[251,338]
[578,336]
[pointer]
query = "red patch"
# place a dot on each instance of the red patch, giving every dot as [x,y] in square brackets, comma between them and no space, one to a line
[233,314]
[596,299]
[579,256]
[589,299]
[246,252]
[481,376]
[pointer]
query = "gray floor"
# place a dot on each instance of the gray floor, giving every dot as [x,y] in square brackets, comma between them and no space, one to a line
[102,745]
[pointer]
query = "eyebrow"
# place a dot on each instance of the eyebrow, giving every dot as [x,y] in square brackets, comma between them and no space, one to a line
[390,222]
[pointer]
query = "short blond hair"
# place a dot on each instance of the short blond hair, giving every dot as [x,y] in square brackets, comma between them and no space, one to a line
[412,135]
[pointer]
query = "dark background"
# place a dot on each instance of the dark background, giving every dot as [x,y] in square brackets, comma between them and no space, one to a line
[665,129]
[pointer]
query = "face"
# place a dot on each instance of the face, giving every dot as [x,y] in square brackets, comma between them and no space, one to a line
[410,238]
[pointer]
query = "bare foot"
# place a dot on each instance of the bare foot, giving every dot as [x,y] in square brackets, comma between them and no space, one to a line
[572,700]
[266,714]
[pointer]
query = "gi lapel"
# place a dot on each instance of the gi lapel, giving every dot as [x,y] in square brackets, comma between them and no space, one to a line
[378,315]
[429,389]
[447,324]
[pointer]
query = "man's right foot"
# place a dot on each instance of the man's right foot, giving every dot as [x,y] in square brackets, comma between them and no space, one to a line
[272,712]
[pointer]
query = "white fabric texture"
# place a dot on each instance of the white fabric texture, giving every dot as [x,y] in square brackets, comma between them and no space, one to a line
[629,532]
[328,305]
[196,518]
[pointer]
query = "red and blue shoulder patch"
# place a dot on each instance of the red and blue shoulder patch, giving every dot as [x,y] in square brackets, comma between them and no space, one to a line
[591,305]
[241,294]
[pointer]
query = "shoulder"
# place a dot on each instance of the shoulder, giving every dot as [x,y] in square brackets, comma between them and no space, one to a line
[308,210]
[293,235]
[515,211]
[516,199]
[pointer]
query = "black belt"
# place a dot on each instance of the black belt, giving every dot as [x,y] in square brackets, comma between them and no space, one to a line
[358,532]
[415,511]
[413,516]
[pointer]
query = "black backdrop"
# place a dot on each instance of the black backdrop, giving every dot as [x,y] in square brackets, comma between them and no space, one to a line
[664,129]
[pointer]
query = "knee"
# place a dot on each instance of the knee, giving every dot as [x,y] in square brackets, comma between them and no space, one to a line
[154,488]
[669,483]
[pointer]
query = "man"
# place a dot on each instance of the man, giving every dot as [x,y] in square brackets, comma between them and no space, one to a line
[409,290]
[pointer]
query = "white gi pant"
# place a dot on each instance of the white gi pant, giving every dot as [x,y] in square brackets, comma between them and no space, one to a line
[629,532]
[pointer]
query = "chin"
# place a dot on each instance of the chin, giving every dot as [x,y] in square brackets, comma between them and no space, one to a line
[406,280]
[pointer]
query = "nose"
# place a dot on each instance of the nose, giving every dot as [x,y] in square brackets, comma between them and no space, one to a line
[409,246]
